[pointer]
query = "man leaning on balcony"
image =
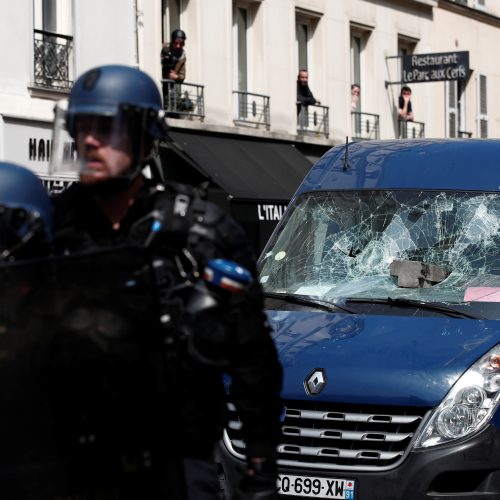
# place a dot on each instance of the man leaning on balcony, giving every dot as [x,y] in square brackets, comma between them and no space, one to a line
[173,64]
[304,98]
[405,111]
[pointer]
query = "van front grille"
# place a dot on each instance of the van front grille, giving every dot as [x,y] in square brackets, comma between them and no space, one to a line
[327,435]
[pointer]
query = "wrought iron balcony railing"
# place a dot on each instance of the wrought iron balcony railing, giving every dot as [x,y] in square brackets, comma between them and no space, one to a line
[252,108]
[365,126]
[464,134]
[313,119]
[183,100]
[52,60]
[411,130]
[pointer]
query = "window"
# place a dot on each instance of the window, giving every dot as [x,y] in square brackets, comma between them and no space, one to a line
[54,16]
[306,22]
[171,13]
[479,5]
[482,107]
[356,51]
[240,29]
[301,38]
[452,110]
[406,46]
[49,15]
[456,108]
[250,104]
[359,38]
[52,44]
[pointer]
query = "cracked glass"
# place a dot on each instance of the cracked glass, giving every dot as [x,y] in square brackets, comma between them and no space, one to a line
[336,245]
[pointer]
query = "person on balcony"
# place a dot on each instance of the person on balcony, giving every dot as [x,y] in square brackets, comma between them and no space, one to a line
[173,63]
[405,110]
[304,98]
[355,109]
[355,93]
[173,57]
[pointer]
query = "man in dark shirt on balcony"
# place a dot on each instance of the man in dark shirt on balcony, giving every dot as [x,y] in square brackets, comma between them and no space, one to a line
[304,94]
[304,98]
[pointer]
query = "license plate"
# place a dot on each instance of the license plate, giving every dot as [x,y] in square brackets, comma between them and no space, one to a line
[315,487]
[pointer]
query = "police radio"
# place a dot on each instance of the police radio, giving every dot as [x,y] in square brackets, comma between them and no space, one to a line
[209,334]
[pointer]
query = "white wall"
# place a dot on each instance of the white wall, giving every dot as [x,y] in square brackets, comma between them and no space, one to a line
[105,31]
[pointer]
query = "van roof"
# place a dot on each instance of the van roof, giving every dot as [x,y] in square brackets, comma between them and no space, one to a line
[451,164]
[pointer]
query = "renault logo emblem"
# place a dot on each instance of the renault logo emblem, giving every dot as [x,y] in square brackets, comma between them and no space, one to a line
[315,382]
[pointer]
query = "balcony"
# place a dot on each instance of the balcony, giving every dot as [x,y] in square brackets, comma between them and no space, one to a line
[411,130]
[183,100]
[252,109]
[51,58]
[313,120]
[365,126]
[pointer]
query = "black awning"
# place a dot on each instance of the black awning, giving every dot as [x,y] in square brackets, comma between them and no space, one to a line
[245,168]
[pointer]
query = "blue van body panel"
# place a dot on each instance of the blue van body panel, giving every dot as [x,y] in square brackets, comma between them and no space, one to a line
[377,420]
[378,359]
[425,164]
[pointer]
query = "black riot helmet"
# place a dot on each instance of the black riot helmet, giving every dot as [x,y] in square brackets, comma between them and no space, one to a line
[26,224]
[178,34]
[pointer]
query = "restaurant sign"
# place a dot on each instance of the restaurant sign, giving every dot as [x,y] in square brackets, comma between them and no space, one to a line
[443,66]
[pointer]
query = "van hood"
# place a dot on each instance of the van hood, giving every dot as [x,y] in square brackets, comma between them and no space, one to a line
[390,360]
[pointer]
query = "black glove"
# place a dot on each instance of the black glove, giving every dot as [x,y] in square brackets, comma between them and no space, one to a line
[259,481]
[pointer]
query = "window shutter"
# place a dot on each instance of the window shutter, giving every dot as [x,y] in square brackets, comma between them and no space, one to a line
[482,95]
[482,105]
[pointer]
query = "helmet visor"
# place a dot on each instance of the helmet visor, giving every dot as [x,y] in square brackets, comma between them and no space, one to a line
[107,145]
[63,159]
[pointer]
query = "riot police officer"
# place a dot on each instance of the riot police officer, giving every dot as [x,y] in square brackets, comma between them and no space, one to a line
[79,387]
[115,115]
[25,214]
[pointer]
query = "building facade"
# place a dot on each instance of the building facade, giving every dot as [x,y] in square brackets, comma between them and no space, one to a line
[241,121]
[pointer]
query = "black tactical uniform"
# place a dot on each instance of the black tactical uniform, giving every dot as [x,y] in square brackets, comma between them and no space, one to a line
[182,232]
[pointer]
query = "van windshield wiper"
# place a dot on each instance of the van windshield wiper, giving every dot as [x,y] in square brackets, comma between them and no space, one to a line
[306,300]
[417,304]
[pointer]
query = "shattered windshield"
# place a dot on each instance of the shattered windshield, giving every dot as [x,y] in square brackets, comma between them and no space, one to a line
[433,246]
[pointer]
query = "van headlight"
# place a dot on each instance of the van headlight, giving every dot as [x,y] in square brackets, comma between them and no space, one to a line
[468,406]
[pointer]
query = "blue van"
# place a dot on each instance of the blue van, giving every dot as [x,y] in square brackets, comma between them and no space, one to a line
[382,283]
